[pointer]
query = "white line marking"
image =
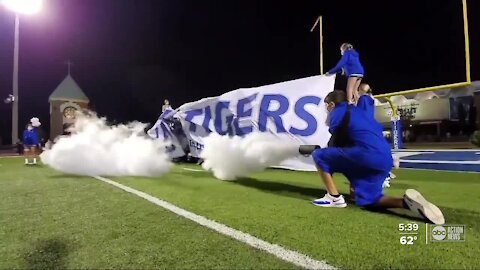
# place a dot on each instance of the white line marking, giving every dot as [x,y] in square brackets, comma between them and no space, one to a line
[287,255]
[465,162]
[435,150]
[407,154]
[193,170]
[450,171]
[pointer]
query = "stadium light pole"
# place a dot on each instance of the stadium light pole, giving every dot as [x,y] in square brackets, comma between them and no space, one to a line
[19,7]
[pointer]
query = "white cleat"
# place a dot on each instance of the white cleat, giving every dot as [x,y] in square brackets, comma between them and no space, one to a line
[391,175]
[418,204]
[330,201]
[386,183]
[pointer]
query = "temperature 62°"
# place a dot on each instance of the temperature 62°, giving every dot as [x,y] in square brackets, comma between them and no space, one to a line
[407,240]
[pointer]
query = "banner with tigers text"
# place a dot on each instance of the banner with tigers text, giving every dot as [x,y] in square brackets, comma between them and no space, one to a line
[292,110]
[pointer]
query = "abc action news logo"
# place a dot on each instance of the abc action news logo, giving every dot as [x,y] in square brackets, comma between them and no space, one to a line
[447,233]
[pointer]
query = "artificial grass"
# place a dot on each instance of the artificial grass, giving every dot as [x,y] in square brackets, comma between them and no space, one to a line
[49,220]
[52,221]
[275,205]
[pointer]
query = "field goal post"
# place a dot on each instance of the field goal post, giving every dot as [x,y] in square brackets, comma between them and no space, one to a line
[396,126]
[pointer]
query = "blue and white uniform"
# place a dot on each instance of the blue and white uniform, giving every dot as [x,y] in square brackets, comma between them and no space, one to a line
[30,138]
[367,103]
[350,62]
[366,163]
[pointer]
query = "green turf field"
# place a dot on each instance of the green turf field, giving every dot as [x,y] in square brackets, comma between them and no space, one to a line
[50,220]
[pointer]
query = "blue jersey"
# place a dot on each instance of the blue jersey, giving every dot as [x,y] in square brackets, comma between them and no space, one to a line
[367,103]
[30,137]
[369,146]
[350,62]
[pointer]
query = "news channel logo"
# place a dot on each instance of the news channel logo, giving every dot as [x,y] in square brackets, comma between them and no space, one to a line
[447,233]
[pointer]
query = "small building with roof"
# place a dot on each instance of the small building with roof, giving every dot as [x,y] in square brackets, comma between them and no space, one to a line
[65,101]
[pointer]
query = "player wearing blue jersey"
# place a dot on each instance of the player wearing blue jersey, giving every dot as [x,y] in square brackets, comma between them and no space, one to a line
[366,102]
[358,150]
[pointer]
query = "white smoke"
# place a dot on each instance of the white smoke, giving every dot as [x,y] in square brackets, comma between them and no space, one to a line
[232,157]
[97,149]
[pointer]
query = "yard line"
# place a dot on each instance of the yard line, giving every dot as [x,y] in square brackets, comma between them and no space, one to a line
[282,253]
[193,170]
[429,161]
[436,170]
[435,150]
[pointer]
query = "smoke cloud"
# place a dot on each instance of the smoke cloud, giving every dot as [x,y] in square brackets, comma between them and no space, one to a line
[232,157]
[97,149]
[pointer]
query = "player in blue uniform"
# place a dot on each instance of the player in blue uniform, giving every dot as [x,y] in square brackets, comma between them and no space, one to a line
[365,99]
[366,102]
[353,69]
[30,144]
[359,151]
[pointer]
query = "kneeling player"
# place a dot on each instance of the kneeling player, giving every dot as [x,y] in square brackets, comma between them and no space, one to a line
[364,157]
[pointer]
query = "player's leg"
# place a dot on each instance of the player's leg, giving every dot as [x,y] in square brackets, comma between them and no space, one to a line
[328,182]
[367,186]
[355,88]
[415,202]
[369,194]
[329,160]
[333,198]
[391,175]
[351,90]
[34,152]
[26,154]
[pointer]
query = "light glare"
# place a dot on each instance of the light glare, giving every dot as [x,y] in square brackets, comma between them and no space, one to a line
[24,6]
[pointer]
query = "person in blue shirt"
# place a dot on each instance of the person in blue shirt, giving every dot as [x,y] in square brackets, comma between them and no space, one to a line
[358,150]
[350,65]
[365,99]
[30,144]
[366,102]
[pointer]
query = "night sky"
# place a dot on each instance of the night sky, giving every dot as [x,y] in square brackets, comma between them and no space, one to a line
[129,55]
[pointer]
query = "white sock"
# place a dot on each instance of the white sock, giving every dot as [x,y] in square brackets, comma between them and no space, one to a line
[26,161]
[34,161]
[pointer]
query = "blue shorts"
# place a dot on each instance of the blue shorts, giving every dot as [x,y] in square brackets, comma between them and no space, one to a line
[365,180]
[29,142]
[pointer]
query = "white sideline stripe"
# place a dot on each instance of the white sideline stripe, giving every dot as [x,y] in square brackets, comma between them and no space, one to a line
[465,162]
[434,150]
[287,255]
[421,169]
[193,170]
[408,154]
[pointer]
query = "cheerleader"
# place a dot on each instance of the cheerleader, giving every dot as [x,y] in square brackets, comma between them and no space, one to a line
[30,144]
[350,65]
